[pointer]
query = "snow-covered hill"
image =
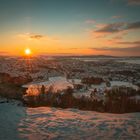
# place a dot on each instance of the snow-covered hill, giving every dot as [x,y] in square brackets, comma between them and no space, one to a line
[44,123]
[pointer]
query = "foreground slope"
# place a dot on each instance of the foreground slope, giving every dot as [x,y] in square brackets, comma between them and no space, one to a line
[42,123]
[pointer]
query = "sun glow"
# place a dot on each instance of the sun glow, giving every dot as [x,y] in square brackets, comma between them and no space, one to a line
[27,52]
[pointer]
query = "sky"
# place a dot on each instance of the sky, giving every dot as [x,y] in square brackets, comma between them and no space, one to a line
[70,27]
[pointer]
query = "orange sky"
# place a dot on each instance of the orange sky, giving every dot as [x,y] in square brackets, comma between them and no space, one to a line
[70,28]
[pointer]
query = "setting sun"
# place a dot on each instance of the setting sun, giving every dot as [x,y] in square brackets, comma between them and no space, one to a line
[27,52]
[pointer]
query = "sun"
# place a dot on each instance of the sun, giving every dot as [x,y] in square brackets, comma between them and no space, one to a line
[27,52]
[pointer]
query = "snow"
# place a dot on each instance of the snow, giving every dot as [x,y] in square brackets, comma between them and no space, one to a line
[53,80]
[59,83]
[137,98]
[88,59]
[17,123]
[10,117]
[79,94]
[121,83]
[135,61]
[3,100]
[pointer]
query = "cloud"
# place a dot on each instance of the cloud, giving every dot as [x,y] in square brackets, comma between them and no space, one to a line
[122,49]
[118,27]
[129,43]
[37,36]
[134,25]
[111,28]
[31,36]
[134,2]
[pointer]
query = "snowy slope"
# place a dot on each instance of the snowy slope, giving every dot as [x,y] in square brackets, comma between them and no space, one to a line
[46,123]
[10,117]
[58,83]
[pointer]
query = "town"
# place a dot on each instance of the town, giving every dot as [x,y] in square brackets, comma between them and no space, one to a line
[90,83]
